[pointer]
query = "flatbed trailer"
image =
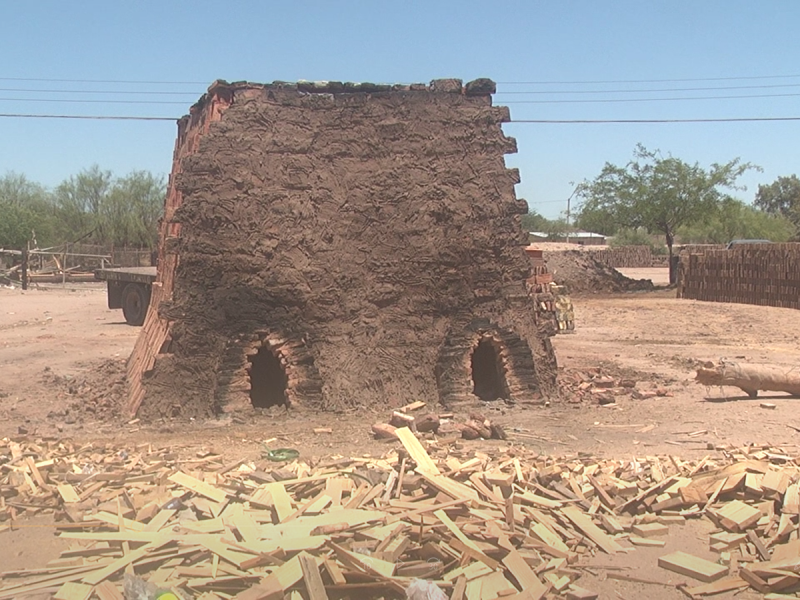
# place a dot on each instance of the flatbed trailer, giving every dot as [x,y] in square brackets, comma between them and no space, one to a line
[129,288]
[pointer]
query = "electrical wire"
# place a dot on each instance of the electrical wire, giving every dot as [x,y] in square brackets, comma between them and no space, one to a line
[621,100]
[84,101]
[128,81]
[596,121]
[690,89]
[98,117]
[530,121]
[755,77]
[137,92]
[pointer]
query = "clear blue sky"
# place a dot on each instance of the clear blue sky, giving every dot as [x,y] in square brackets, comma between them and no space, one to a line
[750,46]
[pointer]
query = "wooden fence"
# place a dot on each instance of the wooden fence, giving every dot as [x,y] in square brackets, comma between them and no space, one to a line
[764,274]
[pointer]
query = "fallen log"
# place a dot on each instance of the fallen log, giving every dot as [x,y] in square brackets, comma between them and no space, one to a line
[752,378]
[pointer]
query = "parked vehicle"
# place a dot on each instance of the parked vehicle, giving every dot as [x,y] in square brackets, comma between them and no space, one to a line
[733,243]
[129,289]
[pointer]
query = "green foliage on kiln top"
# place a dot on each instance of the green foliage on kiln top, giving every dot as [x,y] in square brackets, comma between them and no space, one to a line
[92,206]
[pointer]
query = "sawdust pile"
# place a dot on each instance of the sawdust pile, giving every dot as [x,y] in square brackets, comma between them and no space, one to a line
[581,272]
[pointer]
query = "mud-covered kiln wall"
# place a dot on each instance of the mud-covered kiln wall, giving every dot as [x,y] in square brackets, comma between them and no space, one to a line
[368,239]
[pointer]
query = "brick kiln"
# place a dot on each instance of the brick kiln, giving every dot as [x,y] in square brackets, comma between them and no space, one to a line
[333,245]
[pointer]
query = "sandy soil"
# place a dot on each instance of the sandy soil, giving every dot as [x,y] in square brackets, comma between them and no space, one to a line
[49,338]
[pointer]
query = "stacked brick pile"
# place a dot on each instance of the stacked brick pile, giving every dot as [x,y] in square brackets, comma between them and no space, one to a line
[764,274]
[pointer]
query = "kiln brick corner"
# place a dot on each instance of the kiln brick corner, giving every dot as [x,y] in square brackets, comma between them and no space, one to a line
[337,244]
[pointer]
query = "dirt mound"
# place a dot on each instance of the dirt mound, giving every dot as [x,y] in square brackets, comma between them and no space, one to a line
[97,395]
[581,272]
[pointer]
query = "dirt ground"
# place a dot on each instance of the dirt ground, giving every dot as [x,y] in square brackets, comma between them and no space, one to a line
[57,345]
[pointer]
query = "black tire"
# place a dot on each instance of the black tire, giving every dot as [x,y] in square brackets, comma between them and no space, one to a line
[135,299]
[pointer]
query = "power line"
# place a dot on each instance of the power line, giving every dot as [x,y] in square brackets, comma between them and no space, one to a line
[98,117]
[593,121]
[533,121]
[690,89]
[647,80]
[620,100]
[125,81]
[137,92]
[82,101]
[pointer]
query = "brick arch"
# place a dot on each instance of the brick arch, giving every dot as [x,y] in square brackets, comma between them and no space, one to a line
[303,381]
[454,377]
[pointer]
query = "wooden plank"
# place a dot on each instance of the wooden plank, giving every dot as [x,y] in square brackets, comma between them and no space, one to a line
[738,516]
[198,487]
[524,575]
[68,493]
[108,591]
[246,526]
[592,531]
[119,564]
[280,501]
[548,537]
[453,528]
[368,564]
[451,487]
[416,451]
[650,529]
[311,577]
[692,566]
[158,521]
[117,520]
[459,546]
[334,571]
[74,591]
[215,545]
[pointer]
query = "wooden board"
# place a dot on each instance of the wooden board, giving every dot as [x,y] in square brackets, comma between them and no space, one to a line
[524,575]
[198,487]
[416,451]
[74,591]
[68,493]
[592,531]
[311,577]
[738,516]
[692,566]
[280,501]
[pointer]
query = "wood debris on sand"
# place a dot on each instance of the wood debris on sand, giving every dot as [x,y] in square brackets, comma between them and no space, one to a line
[511,524]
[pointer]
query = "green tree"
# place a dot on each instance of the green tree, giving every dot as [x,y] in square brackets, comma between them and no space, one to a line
[736,220]
[628,236]
[657,193]
[781,197]
[25,209]
[97,207]
[130,211]
[80,201]
[533,221]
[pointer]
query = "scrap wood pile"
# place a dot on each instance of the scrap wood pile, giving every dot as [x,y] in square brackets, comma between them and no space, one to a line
[592,385]
[475,427]
[440,521]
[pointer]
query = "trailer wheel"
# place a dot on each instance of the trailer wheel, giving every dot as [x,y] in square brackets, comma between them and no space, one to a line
[135,300]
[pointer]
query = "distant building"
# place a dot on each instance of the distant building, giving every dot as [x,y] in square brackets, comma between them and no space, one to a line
[581,238]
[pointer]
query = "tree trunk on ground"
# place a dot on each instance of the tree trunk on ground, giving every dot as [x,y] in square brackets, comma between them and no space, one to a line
[752,378]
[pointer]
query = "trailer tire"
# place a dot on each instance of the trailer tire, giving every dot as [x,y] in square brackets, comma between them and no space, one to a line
[135,300]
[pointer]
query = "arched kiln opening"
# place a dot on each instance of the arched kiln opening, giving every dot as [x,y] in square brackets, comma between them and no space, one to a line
[268,379]
[488,378]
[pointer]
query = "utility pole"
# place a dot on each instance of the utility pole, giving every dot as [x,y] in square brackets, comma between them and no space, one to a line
[568,210]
